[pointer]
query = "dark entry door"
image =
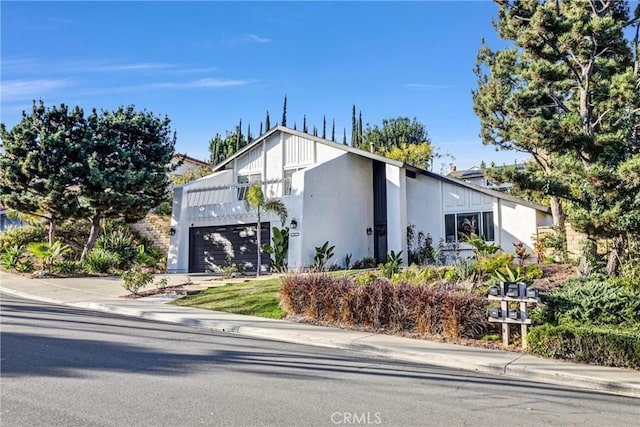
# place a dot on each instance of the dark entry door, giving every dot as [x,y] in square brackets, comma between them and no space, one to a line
[212,248]
[379,212]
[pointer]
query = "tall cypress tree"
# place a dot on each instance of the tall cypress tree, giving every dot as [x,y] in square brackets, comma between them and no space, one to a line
[260,129]
[284,112]
[324,127]
[249,137]
[360,130]
[333,130]
[315,130]
[239,136]
[304,124]
[267,122]
[344,136]
[354,127]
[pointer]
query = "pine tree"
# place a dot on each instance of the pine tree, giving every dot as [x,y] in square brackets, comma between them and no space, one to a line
[41,164]
[128,161]
[565,92]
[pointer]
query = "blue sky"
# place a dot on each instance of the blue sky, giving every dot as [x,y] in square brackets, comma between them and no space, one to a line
[206,65]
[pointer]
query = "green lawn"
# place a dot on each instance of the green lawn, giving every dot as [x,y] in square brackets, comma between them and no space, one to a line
[255,298]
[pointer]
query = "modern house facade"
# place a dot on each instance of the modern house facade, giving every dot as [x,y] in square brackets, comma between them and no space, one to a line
[360,202]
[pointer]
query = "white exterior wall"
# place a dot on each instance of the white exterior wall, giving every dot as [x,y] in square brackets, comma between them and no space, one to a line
[337,206]
[396,210]
[519,224]
[424,206]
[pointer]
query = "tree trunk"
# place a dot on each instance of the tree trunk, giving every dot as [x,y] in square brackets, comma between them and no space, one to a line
[557,212]
[614,256]
[52,231]
[93,235]
[258,231]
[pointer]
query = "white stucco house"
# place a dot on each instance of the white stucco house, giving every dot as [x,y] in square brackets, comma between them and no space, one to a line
[358,201]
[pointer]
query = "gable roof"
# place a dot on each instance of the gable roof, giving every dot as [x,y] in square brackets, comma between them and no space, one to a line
[377,157]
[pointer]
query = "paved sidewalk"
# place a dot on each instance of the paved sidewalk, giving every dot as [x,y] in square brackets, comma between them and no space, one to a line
[106,294]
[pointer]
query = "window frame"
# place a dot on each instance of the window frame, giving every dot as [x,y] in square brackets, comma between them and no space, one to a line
[485,225]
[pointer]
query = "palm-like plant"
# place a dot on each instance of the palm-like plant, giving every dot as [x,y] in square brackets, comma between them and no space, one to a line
[255,199]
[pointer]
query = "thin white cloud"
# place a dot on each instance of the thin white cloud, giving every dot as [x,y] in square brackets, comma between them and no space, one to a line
[133,67]
[13,90]
[244,40]
[258,39]
[428,86]
[203,83]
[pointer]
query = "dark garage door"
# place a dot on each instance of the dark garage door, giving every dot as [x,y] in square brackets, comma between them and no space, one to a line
[212,248]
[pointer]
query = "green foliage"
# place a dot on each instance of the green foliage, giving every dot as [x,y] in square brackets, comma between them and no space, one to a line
[394,132]
[25,266]
[557,242]
[366,262]
[40,163]
[12,256]
[366,279]
[416,276]
[532,272]
[449,274]
[137,278]
[101,261]
[323,254]
[22,236]
[117,238]
[498,262]
[255,199]
[420,247]
[48,254]
[418,155]
[392,266]
[347,261]
[592,301]
[464,269]
[480,247]
[512,275]
[67,267]
[587,344]
[279,249]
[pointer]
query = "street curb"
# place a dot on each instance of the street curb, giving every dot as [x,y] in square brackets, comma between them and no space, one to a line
[513,369]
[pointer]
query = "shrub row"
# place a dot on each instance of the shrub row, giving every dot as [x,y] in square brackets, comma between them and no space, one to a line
[600,346]
[440,309]
[592,301]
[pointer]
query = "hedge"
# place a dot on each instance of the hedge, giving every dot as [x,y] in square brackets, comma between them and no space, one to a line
[442,309]
[600,346]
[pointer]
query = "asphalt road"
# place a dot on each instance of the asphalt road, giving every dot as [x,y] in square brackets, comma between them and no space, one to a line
[67,367]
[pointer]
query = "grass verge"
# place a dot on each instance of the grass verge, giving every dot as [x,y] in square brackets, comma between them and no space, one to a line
[254,298]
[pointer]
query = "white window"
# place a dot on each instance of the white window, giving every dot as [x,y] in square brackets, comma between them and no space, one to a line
[459,226]
[246,181]
[288,175]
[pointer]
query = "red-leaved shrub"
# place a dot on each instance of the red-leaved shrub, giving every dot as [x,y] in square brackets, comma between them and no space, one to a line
[441,309]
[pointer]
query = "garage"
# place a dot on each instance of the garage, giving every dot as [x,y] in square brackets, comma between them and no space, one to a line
[213,248]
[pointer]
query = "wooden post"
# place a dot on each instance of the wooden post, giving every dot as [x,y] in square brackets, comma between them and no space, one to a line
[504,308]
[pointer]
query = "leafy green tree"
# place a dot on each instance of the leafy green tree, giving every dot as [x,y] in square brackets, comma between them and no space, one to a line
[255,199]
[418,155]
[222,148]
[127,159]
[394,132]
[39,168]
[565,91]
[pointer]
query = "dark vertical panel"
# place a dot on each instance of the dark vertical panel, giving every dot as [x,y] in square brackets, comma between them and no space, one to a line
[379,211]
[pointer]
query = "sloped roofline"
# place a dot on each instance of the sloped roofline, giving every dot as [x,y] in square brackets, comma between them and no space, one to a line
[377,157]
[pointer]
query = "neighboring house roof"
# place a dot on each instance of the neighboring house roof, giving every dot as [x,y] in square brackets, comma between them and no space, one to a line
[179,156]
[373,156]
